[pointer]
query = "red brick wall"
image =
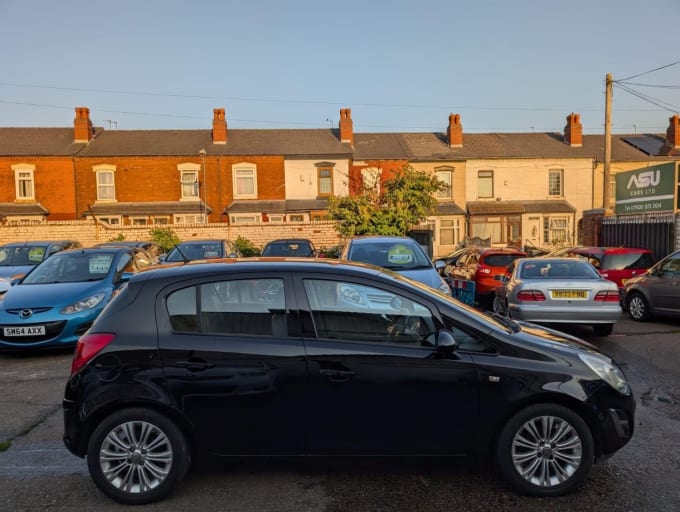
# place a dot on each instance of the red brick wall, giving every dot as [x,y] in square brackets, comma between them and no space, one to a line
[389,169]
[53,181]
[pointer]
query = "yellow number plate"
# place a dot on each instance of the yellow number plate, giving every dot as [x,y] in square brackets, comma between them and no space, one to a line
[569,294]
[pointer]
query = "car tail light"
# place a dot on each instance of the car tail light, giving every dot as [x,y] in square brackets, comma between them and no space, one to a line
[607,296]
[531,296]
[89,346]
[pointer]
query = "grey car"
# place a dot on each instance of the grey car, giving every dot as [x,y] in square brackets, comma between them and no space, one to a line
[558,290]
[656,292]
[400,254]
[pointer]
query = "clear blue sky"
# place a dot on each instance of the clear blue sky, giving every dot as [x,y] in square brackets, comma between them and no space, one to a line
[504,65]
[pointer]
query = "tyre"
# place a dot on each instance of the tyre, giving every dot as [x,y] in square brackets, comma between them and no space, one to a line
[603,329]
[137,456]
[545,450]
[638,309]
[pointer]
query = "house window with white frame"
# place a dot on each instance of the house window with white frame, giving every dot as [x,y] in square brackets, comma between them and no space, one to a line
[106,186]
[111,221]
[555,183]
[189,182]
[449,231]
[245,219]
[189,219]
[25,188]
[484,184]
[245,181]
[555,230]
[296,217]
[445,176]
[325,178]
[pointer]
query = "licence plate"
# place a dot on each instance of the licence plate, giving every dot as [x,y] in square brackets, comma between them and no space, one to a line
[569,294]
[33,330]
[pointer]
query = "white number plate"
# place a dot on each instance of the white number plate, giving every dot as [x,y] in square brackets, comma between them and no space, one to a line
[33,330]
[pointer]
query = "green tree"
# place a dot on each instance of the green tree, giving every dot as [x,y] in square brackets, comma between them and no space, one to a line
[165,237]
[405,200]
[246,248]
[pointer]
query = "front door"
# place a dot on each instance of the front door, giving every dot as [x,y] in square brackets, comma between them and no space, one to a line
[377,383]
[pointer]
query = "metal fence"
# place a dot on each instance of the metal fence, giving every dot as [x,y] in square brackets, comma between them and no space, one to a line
[656,233]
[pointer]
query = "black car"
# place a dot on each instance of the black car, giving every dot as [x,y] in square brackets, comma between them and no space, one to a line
[290,247]
[324,357]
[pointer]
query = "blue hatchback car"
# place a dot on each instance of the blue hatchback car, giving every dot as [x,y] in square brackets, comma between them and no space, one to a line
[55,303]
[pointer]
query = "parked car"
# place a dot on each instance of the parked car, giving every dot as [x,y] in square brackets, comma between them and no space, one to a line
[400,254]
[55,303]
[485,266]
[656,292]
[617,264]
[558,290]
[449,261]
[18,258]
[284,358]
[290,247]
[201,250]
[154,250]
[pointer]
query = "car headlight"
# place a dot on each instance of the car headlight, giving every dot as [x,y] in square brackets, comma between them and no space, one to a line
[83,305]
[607,371]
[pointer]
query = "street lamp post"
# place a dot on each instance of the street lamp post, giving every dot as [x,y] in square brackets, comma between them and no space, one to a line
[204,206]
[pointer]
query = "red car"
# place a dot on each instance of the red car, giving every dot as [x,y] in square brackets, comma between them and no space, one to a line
[485,266]
[617,264]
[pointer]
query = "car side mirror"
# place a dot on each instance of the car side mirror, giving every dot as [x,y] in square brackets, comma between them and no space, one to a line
[446,342]
[440,266]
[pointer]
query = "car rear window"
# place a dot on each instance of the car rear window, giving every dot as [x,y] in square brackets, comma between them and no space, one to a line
[626,261]
[500,260]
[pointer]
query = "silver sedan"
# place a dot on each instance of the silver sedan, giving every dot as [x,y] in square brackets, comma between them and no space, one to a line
[558,290]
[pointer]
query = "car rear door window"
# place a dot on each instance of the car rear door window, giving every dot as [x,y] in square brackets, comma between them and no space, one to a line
[236,307]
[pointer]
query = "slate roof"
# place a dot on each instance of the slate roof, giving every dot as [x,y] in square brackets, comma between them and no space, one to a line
[519,207]
[148,209]
[449,208]
[22,209]
[38,142]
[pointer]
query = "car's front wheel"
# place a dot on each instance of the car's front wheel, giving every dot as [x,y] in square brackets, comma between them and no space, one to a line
[638,309]
[545,450]
[137,456]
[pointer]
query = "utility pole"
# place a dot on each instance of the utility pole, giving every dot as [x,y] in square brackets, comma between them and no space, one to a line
[607,141]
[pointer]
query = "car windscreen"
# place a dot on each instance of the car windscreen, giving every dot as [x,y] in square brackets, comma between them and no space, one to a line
[200,251]
[21,256]
[71,268]
[394,256]
[627,260]
[500,260]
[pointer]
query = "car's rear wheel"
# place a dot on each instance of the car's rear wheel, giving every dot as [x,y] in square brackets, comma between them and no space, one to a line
[638,309]
[498,305]
[603,329]
[545,450]
[137,456]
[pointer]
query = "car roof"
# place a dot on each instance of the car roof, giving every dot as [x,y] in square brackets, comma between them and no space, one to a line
[203,241]
[36,243]
[290,241]
[366,239]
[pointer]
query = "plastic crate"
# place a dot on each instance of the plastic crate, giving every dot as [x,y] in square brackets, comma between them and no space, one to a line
[463,290]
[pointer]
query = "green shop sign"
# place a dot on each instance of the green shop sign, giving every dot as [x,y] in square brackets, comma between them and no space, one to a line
[651,189]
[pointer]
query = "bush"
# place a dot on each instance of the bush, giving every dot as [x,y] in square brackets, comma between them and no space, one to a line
[165,237]
[246,248]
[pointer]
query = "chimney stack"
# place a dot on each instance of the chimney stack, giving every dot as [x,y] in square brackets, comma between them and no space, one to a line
[573,131]
[346,129]
[82,126]
[454,133]
[219,126]
[673,131]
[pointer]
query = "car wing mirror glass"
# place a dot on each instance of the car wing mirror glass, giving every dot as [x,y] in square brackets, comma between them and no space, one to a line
[439,265]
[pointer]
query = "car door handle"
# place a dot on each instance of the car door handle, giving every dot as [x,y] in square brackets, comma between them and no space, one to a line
[338,375]
[194,366]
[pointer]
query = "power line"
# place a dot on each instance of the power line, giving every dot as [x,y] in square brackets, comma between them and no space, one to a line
[647,72]
[649,99]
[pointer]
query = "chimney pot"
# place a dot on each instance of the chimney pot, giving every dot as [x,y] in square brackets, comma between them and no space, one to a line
[219,126]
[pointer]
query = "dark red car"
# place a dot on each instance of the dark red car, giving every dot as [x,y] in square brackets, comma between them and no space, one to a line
[617,264]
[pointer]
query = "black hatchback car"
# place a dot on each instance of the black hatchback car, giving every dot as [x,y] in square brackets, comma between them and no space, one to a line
[323,357]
